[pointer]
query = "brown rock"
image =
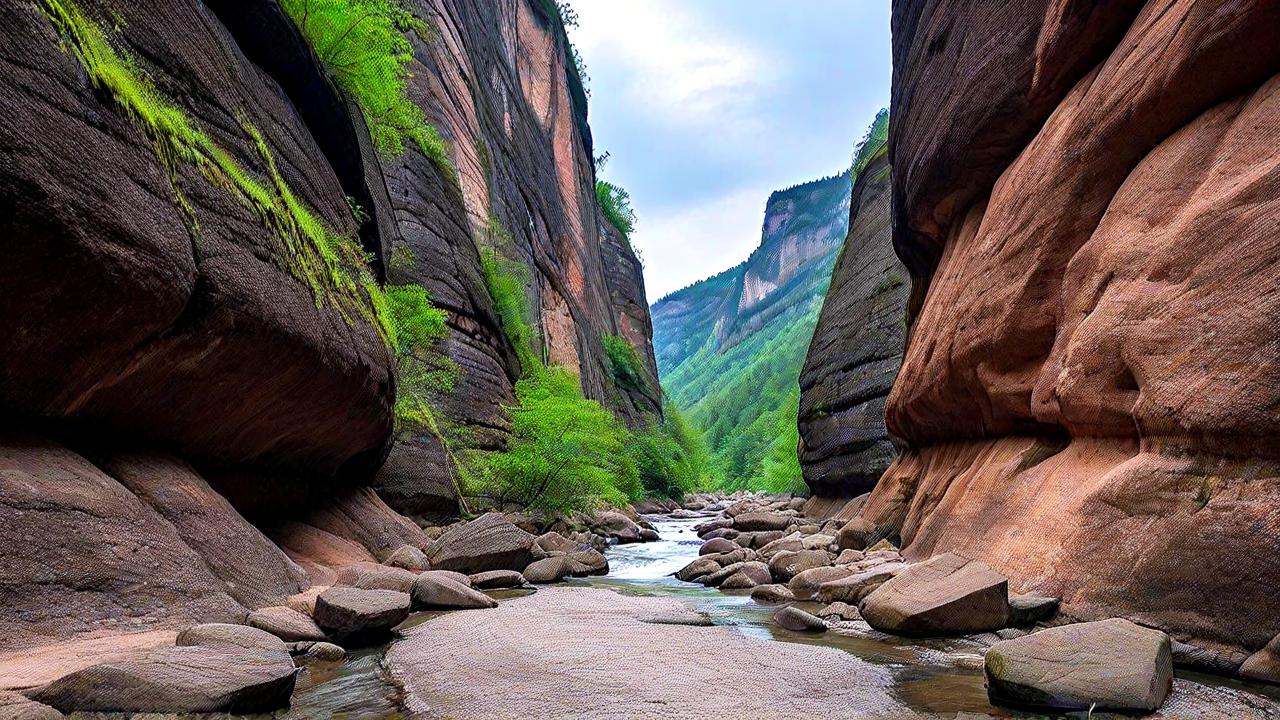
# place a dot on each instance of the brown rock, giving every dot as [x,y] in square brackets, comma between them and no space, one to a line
[807,582]
[749,575]
[231,636]
[497,580]
[489,542]
[188,679]
[438,592]
[17,707]
[761,521]
[696,569]
[945,595]
[1112,664]
[791,543]
[849,556]
[549,570]
[715,578]
[589,562]
[1264,665]
[717,545]
[356,616]
[408,557]
[794,619]
[449,575]
[286,623]
[854,588]
[786,565]
[855,534]
[772,593]
[374,576]
[839,611]
[1031,609]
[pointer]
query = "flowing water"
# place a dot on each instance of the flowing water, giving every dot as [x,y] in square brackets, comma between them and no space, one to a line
[939,677]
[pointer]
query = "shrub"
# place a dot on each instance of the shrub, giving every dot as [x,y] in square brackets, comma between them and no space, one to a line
[615,203]
[506,280]
[567,453]
[362,45]
[624,361]
[423,372]
[669,456]
[876,137]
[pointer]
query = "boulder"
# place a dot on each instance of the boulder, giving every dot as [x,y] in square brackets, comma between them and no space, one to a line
[794,619]
[696,569]
[854,588]
[324,652]
[375,576]
[749,575]
[589,562]
[439,592]
[882,546]
[231,636]
[945,595]
[1264,665]
[715,578]
[839,611]
[759,539]
[817,541]
[553,541]
[649,535]
[1112,664]
[1030,609]
[717,545]
[718,524]
[548,570]
[17,707]
[353,615]
[408,557]
[726,533]
[286,623]
[855,534]
[497,579]
[761,521]
[849,556]
[490,542]
[772,593]
[807,582]
[188,679]
[786,565]
[617,526]
[1215,662]
[788,543]
[450,575]
[736,555]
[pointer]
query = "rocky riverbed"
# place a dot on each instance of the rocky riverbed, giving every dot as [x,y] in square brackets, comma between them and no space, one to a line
[636,642]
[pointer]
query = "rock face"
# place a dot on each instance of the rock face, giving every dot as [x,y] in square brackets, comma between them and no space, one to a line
[1086,197]
[499,85]
[1113,663]
[856,350]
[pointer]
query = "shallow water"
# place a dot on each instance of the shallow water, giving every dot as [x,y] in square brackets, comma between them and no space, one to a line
[938,677]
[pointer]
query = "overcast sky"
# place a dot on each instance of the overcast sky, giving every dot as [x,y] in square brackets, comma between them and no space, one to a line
[706,106]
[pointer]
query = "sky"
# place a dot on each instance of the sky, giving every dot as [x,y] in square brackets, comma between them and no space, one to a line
[707,106]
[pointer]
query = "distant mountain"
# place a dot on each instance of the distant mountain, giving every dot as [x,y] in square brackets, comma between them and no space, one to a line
[730,348]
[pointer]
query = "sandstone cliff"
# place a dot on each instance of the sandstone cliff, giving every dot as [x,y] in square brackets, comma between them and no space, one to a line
[195,378]
[1087,196]
[855,352]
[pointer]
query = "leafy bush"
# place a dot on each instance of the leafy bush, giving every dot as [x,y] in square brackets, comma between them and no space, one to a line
[506,280]
[362,45]
[624,361]
[780,470]
[615,203]
[423,372]
[669,456]
[567,453]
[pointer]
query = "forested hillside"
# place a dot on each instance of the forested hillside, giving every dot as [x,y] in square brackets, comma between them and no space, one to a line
[730,348]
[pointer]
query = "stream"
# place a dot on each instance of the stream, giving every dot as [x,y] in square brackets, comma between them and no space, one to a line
[940,678]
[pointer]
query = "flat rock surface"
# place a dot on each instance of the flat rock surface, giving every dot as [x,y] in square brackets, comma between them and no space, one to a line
[587,653]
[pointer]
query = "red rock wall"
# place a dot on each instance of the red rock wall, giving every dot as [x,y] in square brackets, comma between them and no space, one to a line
[1090,195]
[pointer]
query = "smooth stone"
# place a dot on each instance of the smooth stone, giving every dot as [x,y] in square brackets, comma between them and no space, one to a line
[751,574]
[286,623]
[855,534]
[231,636]
[761,521]
[1030,609]
[849,556]
[18,707]
[1264,665]
[794,619]
[354,615]
[325,652]
[717,545]
[549,570]
[945,595]
[854,588]
[439,592]
[497,580]
[772,593]
[408,557]
[375,576]
[1111,664]
[840,611]
[490,542]
[448,575]
[719,576]
[786,565]
[696,569]
[808,581]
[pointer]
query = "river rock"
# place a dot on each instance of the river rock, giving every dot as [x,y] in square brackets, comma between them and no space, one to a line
[18,707]
[554,541]
[1030,609]
[715,578]
[807,582]
[549,570]
[761,521]
[286,623]
[817,541]
[375,576]
[324,652]
[794,619]
[726,533]
[1264,665]
[854,588]
[855,535]
[497,579]
[450,575]
[945,595]
[717,545]
[751,574]
[232,636]
[1113,663]
[490,542]
[839,611]
[786,565]
[696,569]
[189,679]
[849,556]
[408,557]
[772,593]
[759,539]
[618,526]
[353,615]
[439,592]
[589,562]
[788,543]
[649,535]
[702,529]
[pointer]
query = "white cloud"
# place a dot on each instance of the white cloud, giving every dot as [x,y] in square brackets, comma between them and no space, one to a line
[697,242]
[679,69]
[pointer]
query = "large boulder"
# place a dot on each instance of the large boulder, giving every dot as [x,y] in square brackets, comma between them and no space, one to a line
[353,616]
[408,557]
[375,576]
[696,569]
[786,565]
[490,542]
[497,580]
[762,521]
[807,582]
[190,679]
[1264,665]
[617,526]
[749,575]
[772,594]
[436,592]
[18,707]
[945,595]
[1111,664]
[286,623]
[717,545]
[797,620]
[855,587]
[231,636]
[549,570]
